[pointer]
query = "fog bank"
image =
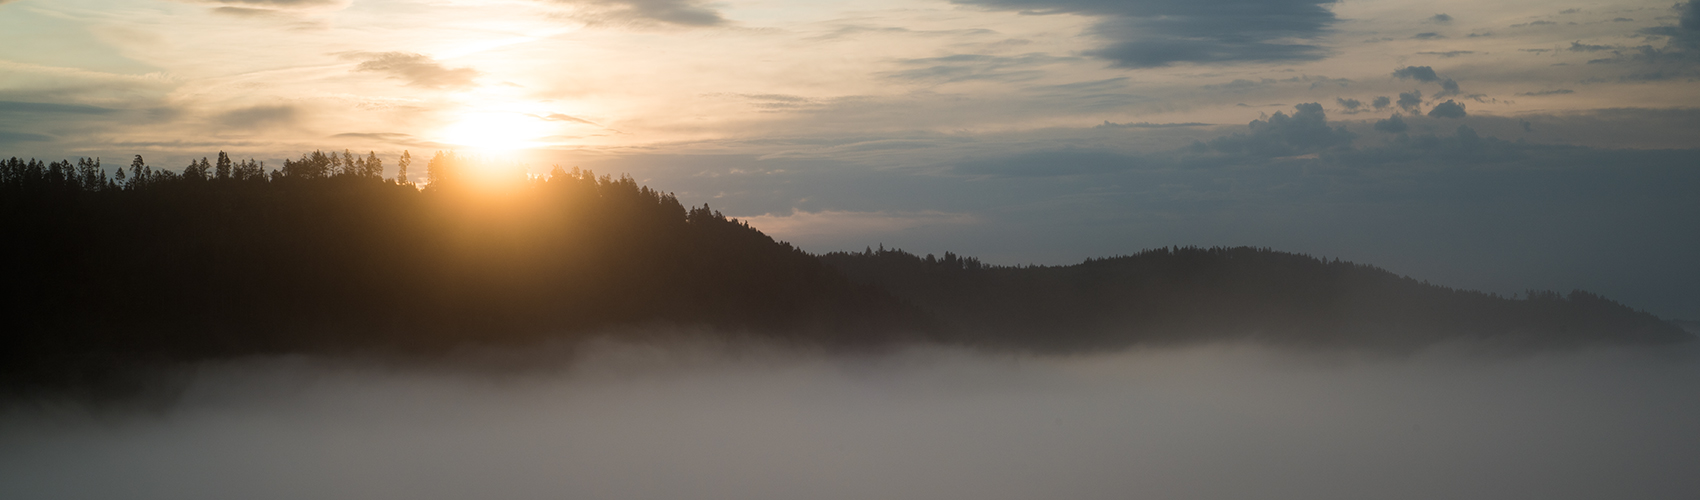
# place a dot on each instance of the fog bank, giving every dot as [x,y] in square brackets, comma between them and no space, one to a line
[701,421]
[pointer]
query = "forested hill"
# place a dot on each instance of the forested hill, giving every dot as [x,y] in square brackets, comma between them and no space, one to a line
[225,259]
[1191,294]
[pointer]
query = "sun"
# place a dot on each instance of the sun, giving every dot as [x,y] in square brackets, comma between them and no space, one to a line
[495,132]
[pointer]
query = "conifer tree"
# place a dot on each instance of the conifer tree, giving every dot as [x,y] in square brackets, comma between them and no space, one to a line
[223,166]
[401,166]
[137,172]
[374,166]
[440,169]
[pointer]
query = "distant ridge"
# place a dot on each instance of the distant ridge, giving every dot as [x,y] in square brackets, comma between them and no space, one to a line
[1186,294]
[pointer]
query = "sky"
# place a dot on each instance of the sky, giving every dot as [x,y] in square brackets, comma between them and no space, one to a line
[1500,146]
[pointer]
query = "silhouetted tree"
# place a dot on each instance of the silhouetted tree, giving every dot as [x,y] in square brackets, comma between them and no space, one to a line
[138,172]
[224,166]
[373,167]
[401,167]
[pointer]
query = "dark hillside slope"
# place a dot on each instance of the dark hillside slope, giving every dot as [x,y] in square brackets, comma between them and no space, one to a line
[1191,294]
[167,267]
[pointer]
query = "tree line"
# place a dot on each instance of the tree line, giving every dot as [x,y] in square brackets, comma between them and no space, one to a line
[324,255]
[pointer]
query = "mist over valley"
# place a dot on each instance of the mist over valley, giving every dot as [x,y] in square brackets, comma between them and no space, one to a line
[751,420]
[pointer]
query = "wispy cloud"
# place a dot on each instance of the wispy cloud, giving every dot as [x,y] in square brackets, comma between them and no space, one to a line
[417,69]
[670,12]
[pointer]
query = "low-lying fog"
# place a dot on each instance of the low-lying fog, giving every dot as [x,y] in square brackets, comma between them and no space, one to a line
[699,421]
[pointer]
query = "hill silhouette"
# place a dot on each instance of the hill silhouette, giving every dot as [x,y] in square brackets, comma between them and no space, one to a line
[223,259]
[1190,294]
[324,256]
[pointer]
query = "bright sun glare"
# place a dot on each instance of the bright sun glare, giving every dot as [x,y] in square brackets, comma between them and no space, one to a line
[495,132]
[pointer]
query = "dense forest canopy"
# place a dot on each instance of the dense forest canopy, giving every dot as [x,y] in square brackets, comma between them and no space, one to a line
[226,258]
[323,254]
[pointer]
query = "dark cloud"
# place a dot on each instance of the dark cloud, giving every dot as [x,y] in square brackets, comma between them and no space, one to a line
[1441,18]
[1409,101]
[674,12]
[1582,47]
[1622,20]
[1393,124]
[258,117]
[270,8]
[1546,92]
[6,137]
[1690,19]
[1305,131]
[280,4]
[771,102]
[1427,36]
[1679,58]
[1151,33]
[290,4]
[45,107]
[417,69]
[679,12]
[1107,84]
[847,31]
[1685,36]
[1381,102]
[247,12]
[1349,104]
[1448,88]
[1536,23]
[1449,53]
[966,67]
[1448,109]
[378,136]
[1109,124]
[1419,73]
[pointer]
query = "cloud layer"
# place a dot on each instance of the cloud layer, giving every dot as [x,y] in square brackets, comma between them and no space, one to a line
[1153,33]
